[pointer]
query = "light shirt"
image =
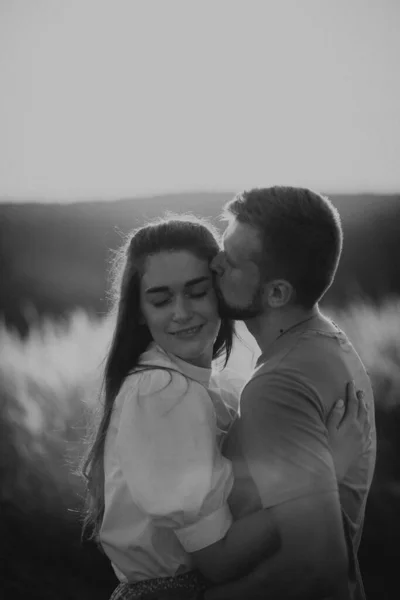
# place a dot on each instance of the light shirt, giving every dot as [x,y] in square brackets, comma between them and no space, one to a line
[166,482]
[279,446]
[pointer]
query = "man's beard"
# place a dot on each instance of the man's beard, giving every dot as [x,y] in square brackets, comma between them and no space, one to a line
[241,313]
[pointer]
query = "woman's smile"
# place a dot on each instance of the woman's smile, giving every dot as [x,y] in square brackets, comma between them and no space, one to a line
[188,332]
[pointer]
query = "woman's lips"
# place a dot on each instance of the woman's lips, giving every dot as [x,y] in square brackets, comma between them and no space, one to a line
[188,332]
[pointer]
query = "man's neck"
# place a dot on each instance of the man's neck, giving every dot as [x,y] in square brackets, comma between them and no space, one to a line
[269,326]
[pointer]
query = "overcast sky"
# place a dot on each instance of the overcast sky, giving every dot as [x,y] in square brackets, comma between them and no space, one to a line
[111,98]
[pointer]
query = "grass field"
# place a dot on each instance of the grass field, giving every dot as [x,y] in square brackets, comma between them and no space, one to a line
[48,381]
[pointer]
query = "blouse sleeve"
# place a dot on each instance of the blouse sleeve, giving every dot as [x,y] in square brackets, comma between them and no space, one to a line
[230,385]
[168,453]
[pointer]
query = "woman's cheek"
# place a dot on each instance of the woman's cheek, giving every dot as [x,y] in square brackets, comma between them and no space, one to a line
[213,314]
[156,317]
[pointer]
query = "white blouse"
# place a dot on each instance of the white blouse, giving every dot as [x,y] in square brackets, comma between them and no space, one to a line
[166,482]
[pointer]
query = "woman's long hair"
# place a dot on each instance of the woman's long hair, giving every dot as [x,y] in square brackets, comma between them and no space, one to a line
[131,337]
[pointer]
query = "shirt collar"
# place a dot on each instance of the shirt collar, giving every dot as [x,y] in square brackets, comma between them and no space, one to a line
[155,355]
[318,323]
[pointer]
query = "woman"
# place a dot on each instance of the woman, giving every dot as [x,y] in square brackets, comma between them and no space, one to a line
[158,485]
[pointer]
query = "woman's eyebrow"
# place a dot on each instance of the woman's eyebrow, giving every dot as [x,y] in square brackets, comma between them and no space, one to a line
[165,288]
[157,289]
[197,280]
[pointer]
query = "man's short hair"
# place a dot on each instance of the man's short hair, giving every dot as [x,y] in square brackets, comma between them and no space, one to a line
[301,236]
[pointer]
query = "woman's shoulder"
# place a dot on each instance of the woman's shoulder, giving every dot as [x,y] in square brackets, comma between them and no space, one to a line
[229,379]
[157,379]
[230,385]
[154,380]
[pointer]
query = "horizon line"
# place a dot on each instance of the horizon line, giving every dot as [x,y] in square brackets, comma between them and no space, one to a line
[48,199]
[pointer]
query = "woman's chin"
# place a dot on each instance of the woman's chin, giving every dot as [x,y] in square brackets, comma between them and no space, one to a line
[197,354]
[197,350]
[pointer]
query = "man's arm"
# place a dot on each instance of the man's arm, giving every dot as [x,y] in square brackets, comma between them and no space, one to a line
[285,450]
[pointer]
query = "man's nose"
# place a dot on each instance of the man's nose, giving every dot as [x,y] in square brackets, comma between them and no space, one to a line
[216,265]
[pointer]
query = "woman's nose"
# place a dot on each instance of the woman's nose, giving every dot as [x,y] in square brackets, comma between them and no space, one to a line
[182,309]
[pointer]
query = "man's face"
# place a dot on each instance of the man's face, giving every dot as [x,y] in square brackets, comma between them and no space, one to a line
[238,276]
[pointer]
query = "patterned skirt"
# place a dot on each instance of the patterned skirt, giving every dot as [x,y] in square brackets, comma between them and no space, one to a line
[188,586]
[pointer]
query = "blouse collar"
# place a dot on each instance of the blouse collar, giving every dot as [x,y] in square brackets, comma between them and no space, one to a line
[157,355]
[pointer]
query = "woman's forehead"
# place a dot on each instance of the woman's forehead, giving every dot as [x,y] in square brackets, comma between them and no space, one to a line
[175,268]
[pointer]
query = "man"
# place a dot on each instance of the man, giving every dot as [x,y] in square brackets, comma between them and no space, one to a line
[281,251]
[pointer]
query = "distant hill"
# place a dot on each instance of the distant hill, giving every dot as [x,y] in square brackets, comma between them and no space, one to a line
[54,257]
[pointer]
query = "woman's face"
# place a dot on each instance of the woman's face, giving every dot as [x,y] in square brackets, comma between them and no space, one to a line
[179,305]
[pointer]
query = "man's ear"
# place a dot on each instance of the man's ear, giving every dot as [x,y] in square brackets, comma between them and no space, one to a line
[278,293]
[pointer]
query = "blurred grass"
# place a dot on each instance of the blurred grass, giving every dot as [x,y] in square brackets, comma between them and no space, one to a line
[50,378]
[46,383]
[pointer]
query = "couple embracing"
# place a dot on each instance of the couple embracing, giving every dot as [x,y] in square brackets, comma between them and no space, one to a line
[202,484]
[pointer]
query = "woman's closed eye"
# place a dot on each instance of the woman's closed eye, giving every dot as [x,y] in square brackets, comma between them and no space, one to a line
[199,294]
[161,301]
[199,291]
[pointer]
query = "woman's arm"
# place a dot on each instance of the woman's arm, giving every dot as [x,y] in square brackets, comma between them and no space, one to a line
[176,475]
[311,563]
[248,541]
[255,537]
[345,425]
[348,429]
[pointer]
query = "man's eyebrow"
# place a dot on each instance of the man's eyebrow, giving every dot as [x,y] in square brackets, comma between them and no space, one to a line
[165,288]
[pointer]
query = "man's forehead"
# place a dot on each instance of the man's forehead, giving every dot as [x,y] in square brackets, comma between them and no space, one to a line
[241,239]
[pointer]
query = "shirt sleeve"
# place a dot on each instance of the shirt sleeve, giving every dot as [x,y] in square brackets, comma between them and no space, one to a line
[167,448]
[282,439]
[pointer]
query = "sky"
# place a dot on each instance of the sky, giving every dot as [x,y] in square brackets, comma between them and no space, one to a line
[102,99]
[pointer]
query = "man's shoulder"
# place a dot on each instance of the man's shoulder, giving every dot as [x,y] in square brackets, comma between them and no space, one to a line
[307,353]
[317,364]
[280,376]
[295,356]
